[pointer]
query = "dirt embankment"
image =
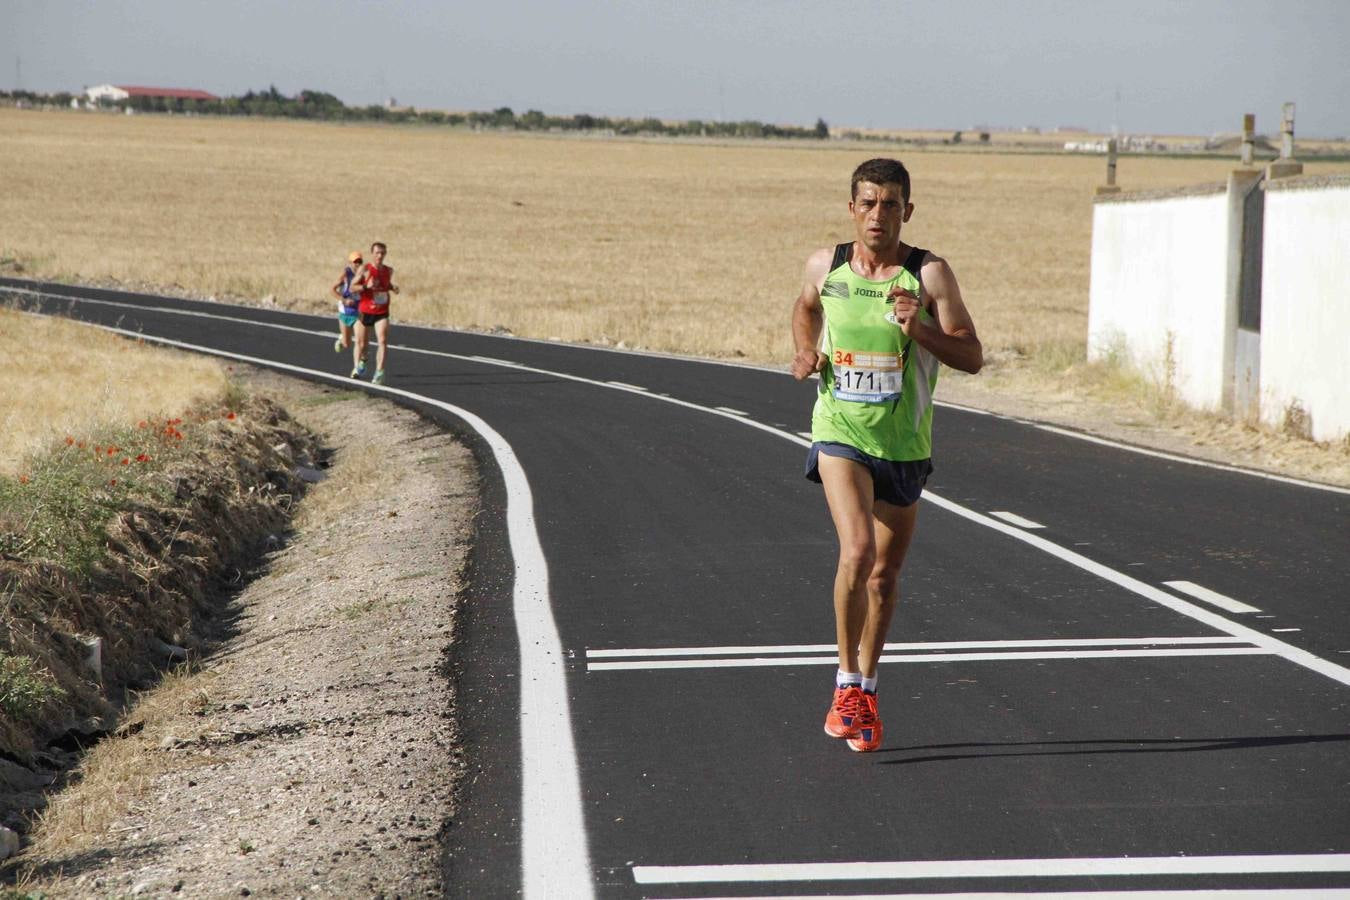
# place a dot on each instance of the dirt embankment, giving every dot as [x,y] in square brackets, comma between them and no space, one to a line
[308,748]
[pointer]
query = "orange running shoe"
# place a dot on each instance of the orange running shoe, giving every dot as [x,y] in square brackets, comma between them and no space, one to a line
[843,711]
[866,725]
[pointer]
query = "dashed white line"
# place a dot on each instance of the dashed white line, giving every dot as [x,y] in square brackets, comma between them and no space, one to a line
[1213,598]
[1017,520]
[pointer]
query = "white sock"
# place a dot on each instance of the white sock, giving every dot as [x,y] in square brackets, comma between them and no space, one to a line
[870,684]
[842,678]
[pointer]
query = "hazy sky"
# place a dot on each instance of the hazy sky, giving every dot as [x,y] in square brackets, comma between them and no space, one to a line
[1147,66]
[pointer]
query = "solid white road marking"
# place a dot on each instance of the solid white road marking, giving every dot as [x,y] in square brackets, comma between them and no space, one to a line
[759,650]
[998,868]
[1195,894]
[1172,457]
[1214,598]
[1017,520]
[555,858]
[745,662]
[1286,629]
[624,384]
[728,409]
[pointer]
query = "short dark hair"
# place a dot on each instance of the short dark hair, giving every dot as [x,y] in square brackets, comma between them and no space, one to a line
[386,249]
[882,171]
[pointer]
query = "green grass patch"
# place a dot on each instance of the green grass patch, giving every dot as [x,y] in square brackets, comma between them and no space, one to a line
[357,610]
[25,688]
[58,509]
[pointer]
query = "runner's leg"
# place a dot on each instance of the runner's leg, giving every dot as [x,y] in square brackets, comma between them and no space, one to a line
[359,348]
[848,491]
[382,336]
[893,527]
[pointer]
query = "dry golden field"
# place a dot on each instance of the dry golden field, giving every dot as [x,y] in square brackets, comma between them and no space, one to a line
[686,247]
[95,379]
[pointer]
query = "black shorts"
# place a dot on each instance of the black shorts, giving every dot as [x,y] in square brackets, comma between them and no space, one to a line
[369,319]
[897,483]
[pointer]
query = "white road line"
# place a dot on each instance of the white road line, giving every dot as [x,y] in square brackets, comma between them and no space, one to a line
[999,868]
[728,409]
[1017,520]
[1193,894]
[1286,629]
[927,645]
[1294,654]
[746,662]
[624,384]
[1214,598]
[1172,457]
[555,858]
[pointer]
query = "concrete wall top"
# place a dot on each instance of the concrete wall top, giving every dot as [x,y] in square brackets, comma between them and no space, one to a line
[1308,182]
[1190,190]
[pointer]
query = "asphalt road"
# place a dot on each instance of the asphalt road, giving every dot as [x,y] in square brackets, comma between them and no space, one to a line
[1109,671]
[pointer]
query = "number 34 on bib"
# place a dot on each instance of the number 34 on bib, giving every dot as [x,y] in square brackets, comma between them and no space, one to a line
[867,376]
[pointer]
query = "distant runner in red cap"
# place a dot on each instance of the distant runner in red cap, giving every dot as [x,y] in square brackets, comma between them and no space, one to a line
[347,301]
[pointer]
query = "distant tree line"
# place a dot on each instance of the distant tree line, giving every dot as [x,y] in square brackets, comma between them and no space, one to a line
[309,104]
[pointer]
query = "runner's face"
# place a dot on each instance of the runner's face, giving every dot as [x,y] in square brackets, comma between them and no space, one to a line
[878,212]
[378,255]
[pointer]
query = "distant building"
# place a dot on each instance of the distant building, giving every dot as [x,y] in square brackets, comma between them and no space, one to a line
[114,93]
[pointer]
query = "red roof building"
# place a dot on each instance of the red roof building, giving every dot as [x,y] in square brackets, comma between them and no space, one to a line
[117,92]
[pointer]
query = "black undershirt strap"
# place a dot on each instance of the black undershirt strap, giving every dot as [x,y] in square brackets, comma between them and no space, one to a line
[842,254]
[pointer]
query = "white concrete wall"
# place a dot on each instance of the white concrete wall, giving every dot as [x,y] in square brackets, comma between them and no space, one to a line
[1159,275]
[1305,304]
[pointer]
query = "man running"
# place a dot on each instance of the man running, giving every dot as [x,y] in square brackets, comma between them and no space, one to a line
[347,301]
[375,283]
[875,318]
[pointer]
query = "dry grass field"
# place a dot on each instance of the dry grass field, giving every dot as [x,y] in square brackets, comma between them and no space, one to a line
[686,247]
[680,246]
[97,379]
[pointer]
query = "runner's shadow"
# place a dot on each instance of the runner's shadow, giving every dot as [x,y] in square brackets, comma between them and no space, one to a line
[1080,748]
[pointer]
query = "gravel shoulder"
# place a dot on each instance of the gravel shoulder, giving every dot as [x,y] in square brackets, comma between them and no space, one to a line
[313,751]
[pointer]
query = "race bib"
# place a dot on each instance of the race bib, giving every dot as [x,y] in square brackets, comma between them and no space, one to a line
[866,376]
[380,298]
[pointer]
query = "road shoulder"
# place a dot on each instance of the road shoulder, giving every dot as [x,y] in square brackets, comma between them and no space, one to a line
[314,749]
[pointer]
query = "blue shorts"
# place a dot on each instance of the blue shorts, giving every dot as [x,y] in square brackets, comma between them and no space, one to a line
[897,483]
[348,319]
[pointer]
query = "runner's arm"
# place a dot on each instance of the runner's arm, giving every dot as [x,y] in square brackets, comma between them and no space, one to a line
[362,278]
[808,318]
[337,287]
[951,337]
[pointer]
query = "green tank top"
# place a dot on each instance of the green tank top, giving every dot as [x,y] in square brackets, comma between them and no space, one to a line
[876,388]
